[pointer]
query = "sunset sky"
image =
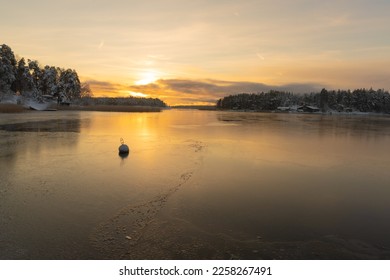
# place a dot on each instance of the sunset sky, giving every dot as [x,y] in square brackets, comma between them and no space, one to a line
[195,52]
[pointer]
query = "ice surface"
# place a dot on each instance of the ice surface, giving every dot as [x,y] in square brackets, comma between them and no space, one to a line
[312,186]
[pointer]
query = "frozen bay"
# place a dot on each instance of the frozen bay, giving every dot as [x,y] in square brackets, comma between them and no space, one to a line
[196,185]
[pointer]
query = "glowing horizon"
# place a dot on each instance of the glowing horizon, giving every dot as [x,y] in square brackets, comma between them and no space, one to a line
[195,52]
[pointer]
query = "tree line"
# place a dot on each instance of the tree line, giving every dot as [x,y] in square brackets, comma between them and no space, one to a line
[28,79]
[123,101]
[362,100]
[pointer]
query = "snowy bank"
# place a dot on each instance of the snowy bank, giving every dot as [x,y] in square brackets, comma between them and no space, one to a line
[7,100]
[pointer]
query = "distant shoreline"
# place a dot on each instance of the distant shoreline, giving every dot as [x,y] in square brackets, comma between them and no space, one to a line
[327,113]
[16,108]
[110,108]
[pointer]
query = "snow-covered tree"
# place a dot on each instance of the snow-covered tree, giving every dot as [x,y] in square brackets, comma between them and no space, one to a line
[324,100]
[7,68]
[36,74]
[69,85]
[49,82]
[32,81]
[24,83]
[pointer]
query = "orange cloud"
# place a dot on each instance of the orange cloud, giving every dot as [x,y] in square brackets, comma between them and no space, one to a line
[192,92]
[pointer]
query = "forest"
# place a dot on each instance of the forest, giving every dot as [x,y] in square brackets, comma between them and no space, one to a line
[121,101]
[360,100]
[26,79]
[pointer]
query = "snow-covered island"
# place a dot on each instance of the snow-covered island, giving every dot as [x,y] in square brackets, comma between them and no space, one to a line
[359,100]
[27,85]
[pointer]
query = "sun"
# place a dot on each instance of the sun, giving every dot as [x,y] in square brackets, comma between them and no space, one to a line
[147,77]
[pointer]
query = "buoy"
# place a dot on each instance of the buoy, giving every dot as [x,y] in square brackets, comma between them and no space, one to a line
[123,148]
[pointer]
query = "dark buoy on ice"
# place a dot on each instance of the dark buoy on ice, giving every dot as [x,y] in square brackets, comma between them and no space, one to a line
[123,149]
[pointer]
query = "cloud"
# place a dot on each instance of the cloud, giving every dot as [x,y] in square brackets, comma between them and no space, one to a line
[101,44]
[104,88]
[260,56]
[220,88]
[185,91]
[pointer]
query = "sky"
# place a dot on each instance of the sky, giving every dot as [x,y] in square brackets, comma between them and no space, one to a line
[195,52]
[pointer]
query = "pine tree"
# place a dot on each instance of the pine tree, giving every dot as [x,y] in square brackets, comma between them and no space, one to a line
[24,83]
[49,83]
[69,85]
[7,69]
[36,74]
[324,99]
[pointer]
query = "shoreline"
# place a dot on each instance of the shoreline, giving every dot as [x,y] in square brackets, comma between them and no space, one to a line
[9,108]
[17,108]
[108,108]
[328,113]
